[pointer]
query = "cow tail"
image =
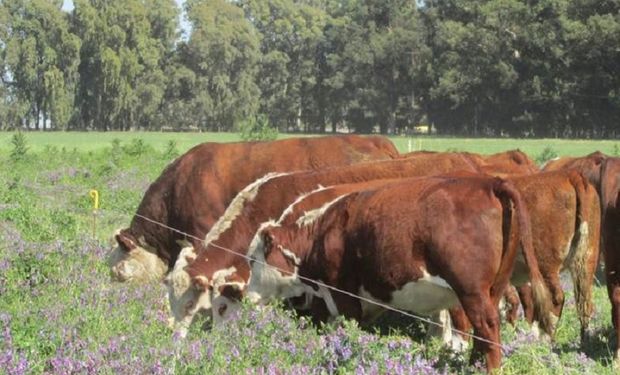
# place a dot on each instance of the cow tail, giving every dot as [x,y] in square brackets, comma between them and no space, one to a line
[582,247]
[542,298]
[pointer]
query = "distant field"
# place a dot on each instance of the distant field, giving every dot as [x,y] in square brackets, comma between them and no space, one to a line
[87,141]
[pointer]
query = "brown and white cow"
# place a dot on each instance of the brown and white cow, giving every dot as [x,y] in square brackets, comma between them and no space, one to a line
[213,272]
[604,173]
[195,189]
[412,245]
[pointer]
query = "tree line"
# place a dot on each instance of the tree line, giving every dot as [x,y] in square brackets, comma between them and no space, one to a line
[542,68]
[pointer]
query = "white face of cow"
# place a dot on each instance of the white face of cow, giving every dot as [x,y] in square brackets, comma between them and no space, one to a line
[274,271]
[186,299]
[131,261]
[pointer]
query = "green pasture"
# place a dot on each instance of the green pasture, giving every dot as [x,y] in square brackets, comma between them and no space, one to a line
[61,314]
[91,141]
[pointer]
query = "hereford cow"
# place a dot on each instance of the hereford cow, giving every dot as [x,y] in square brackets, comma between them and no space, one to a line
[195,189]
[565,214]
[212,271]
[501,164]
[302,211]
[604,173]
[411,245]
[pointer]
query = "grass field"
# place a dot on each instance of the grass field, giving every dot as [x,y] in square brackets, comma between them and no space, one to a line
[60,314]
[91,141]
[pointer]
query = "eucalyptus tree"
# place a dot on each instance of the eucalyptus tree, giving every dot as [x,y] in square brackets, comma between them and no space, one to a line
[223,53]
[40,59]
[125,46]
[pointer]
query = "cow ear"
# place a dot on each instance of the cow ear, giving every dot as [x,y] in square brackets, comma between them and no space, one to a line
[268,241]
[201,283]
[125,242]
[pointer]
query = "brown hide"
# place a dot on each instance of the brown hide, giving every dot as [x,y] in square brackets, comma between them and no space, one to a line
[277,194]
[604,173]
[562,204]
[385,238]
[502,164]
[195,189]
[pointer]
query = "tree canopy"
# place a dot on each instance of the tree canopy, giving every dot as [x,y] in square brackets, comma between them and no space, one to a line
[522,68]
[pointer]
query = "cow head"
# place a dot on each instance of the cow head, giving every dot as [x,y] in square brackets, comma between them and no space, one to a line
[134,260]
[186,296]
[274,270]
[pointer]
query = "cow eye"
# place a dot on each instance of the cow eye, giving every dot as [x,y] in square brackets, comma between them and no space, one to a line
[222,309]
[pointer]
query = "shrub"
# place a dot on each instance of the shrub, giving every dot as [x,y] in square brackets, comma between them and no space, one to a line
[258,129]
[20,146]
[547,154]
[136,147]
[171,151]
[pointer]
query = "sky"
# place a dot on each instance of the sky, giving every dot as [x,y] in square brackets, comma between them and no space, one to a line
[67,5]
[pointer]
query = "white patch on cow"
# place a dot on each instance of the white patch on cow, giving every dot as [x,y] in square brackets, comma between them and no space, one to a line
[223,309]
[449,337]
[236,206]
[502,308]
[185,300]
[291,207]
[326,295]
[542,167]
[580,249]
[311,216]
[424,296]
[370,311]
[219,277]
[289,254]
[139,264]
[268,283]
[257,240]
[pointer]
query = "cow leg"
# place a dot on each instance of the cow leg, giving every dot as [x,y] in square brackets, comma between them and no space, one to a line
[613,290]
[512,300]
[557,294]
[320,313]
[461,325]
[527,302]
[582,284]
[484,316]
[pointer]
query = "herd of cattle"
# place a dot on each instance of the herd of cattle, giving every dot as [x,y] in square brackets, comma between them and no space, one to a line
[422,232]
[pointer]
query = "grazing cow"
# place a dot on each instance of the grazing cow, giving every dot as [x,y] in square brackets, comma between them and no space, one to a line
[502,164]
[507,163]
[412,245]
[565,216]
[604,173]
[195,189]
[214,272]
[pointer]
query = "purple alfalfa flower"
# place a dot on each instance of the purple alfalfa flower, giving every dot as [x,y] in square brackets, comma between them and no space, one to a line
[583,359]
[421,366]
[6,358]
[194,350]
[157,368]
[272,369]
[373,369]
[5,264]
[21,367]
